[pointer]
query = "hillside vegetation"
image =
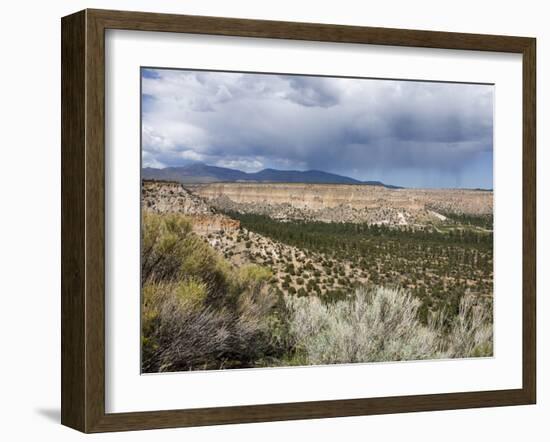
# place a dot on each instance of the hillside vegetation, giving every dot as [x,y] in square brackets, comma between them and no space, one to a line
[201,312]
[437,266]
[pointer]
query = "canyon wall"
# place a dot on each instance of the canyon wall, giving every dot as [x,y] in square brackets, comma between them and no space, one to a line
[318,197]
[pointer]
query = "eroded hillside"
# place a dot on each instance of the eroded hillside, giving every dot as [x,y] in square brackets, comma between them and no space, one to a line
[241,246]
[375,244]
[345,203]
[168,197]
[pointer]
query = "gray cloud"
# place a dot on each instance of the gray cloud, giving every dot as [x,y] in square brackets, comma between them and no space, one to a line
[312,91]
[358,127]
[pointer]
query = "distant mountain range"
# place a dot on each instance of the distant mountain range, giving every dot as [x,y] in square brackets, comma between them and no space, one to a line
[203,173]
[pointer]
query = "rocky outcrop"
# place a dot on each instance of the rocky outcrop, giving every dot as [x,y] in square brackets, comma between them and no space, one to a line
[216,223]
[167,197]
[163,197]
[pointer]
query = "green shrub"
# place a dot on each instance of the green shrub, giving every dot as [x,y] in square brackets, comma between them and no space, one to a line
[197,311]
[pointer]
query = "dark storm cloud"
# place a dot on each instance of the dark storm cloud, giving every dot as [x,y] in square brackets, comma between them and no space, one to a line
[356,127]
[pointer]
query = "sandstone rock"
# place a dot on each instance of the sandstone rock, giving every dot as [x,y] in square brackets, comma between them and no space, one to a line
[344,203]
[167,197]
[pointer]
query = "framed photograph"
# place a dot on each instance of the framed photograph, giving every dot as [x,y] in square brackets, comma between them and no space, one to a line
[267,220]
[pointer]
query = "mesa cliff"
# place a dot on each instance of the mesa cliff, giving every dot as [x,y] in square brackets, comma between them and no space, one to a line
[344,203]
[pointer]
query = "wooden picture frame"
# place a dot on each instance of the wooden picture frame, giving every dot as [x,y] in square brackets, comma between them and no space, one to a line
[83,220]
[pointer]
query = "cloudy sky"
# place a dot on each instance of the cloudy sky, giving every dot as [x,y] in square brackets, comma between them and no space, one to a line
[414,134]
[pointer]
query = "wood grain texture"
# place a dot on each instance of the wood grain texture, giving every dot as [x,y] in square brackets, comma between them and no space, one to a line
[73,128]
[83,220]
[529,221]
[193,24]
[95,222]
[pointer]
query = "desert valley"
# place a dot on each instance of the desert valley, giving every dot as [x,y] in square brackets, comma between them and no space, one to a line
[325,241]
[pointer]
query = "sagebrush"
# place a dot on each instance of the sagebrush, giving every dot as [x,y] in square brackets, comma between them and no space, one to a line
[382,324]
[200,312]
[197,311]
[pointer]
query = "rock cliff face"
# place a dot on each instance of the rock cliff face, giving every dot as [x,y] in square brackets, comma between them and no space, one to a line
[164,197]
[344,203]
[206,224]
[311,202]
